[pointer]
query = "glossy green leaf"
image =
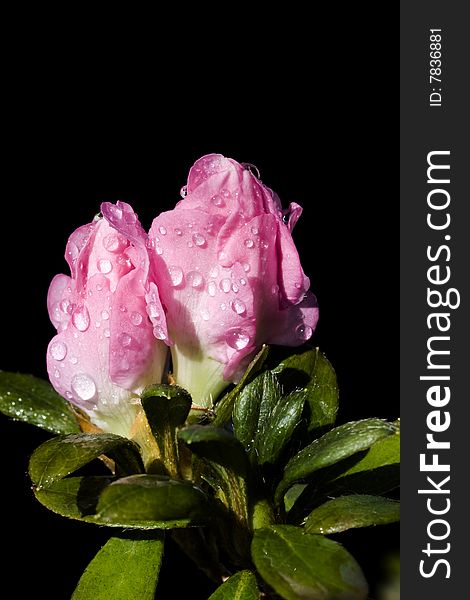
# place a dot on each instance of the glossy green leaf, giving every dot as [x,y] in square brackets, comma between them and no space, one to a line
[124,569]
[165,404]
[334,446]
[348,512]
[223,408]
[27,398]
[278,429]
[216,445]
[166,407]
[253,408]
[64,455]
[292,494]
[300,566]
[312,372]
[149,500]
[73,497]
[241,586]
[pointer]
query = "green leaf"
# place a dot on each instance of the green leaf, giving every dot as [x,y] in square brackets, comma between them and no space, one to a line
[377,472]
[124,569]
[334,446]
[217,446]
[166,408]
[223,408]
[253,408]
[279,428]
[312,372]
[64,455]
[27,398]
[169,404]
[301,566]
[241,586]
[73,497]
[292,494]
[151,501]
[348,512]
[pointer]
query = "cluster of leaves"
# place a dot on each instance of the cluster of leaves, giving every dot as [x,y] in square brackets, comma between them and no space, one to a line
[250,494]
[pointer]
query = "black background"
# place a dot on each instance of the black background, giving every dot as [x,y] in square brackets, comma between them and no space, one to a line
[123,124]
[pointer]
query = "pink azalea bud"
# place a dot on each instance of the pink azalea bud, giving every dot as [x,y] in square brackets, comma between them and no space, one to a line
[229,276]
[105,352]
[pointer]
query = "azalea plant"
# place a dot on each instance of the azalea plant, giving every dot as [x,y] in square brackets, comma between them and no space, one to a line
[187,401]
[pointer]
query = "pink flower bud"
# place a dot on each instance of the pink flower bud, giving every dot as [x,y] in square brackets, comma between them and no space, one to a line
[229,276]
[105,352]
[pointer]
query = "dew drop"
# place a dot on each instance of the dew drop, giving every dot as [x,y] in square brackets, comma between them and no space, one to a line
[115,211]
[235,287]
[136,318]
[225,285]
[205,314]
[223,306]
[195,279]
[97,324]
[238,306]
[105,315]
[105,266]
[125,339]
[214,271]
[81,318]
[99,287]
[246,268]
[83,386]
[237,338]
[106,333]
[72,251]
[254,230]
[73,360]
[178,232]
[249,243]
[176,274]
[124,261]
[199,239]
[64,305]
[152,310]
[304,332]
[184,191]
[218,201]
[225,193]
[112,243]
[159,333]
[274,289]
[211,288]
[68,395]
[162,230]
[159,250]
[242,281]
[298,286]
[56,373]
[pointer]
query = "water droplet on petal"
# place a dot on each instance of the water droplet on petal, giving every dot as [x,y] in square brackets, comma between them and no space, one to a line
[225,285]
[162,230]
[83,386]
[106,333]
[223,306]
[235,287]
[242,281]
[298,286]
[136,318]
[115,211]
[98,324]
[274,289]
[112,243]
[152,310]
[225,193]
[246,267]
[159,333]
[68,395]
[56,373]
[222,256]
[237,338]
[99,287]
[176,274]
[159,250]
[81,318]
[205,314]
[72,251]
[122,308]
[304,332]
[199,239]
[195,279]
[125,339]
[211,288]
[254,230]
[214,271]
[73,360]
[64,304]
[184,191]
[238,306]
[105,315]
[178,232]
[218,201]
[105,266]
[249,243]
